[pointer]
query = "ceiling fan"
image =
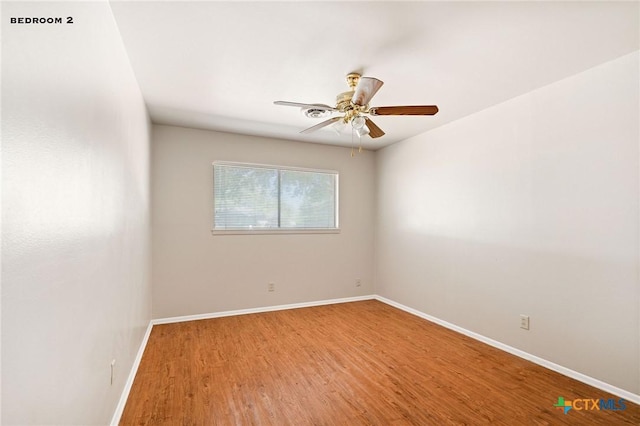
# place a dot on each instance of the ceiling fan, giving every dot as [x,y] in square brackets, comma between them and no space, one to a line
[354,104]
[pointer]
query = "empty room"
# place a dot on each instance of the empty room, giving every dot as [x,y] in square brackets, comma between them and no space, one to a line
[320,213]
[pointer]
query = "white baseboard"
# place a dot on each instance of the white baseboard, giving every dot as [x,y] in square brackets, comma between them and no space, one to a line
[519,353]
[262,309]
[115,420]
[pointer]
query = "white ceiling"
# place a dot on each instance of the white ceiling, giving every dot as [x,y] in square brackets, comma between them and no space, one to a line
[220,65]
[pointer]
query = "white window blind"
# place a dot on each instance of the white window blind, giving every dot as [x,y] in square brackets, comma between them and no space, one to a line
[251,197]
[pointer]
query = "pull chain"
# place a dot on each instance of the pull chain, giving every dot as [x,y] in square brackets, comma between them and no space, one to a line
[353,145]
[352,149]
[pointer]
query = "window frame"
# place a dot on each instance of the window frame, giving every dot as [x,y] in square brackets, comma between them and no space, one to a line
[278,231]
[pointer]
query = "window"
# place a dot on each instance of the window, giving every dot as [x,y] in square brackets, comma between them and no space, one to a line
[257,198]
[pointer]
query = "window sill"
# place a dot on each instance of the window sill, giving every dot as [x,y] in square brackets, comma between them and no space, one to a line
[274,231]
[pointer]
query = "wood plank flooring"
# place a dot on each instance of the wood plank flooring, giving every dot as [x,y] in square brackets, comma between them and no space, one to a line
[361,363]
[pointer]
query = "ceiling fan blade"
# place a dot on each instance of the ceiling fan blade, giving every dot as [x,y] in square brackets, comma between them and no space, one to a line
[307,106]
[404,110]
[321,125]
[366,88]
[374,131]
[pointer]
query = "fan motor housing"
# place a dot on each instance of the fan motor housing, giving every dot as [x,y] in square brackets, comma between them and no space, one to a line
[343,100]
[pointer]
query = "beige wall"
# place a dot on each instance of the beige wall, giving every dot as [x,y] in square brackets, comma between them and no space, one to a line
[195,272]
[75,216]
[530,207]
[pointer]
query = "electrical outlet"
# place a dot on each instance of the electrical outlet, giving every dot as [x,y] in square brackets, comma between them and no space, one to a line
[271,287]
[358,282]
[524,322]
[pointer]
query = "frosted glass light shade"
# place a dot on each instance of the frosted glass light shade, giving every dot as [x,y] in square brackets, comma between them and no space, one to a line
[357,122]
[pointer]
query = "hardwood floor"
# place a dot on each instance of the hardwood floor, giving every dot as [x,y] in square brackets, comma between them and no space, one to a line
[361,363]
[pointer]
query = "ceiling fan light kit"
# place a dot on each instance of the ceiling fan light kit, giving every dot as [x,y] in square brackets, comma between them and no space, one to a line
[357,122]
[362,131]
[354,104]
